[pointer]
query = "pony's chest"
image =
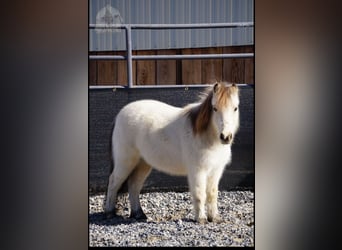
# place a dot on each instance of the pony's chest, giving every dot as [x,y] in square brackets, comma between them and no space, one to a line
[213,157]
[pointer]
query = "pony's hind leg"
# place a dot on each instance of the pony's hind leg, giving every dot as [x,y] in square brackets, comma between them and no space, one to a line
[135,183]
[122,169]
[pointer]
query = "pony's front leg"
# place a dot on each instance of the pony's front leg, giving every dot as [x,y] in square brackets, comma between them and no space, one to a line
[212,194]
[197,184]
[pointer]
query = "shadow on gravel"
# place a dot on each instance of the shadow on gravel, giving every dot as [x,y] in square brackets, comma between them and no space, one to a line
[100,219]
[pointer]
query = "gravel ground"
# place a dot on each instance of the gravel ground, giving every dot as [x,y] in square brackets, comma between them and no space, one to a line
[171,221]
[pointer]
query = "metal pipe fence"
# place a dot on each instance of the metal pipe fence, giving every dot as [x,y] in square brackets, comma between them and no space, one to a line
[129,57]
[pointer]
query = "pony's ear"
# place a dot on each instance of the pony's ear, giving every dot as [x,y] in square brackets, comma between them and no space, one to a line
[234,85]
[216,87]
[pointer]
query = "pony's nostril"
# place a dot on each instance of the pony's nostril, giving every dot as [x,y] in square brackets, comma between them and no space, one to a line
[226,139]
[222,137]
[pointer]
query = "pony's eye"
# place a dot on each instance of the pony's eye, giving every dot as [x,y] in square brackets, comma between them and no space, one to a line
[235,109]
[215,109]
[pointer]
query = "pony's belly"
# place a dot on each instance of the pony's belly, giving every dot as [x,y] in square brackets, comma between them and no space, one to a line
[166,164]
[172,170]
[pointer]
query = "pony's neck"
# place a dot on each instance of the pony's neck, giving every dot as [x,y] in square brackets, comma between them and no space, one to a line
[200,117]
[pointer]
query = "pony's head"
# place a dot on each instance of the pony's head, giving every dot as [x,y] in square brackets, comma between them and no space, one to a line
[220,108]
[225,106]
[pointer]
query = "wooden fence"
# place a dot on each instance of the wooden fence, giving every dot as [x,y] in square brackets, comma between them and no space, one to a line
[172,72]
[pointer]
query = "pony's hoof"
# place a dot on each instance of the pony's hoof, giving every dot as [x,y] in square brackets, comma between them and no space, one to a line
[202,220]
[138,215]
[215,219]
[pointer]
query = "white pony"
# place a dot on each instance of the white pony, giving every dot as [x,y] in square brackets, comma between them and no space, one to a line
[194,141]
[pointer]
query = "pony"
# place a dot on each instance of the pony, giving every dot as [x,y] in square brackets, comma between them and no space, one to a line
[193,141]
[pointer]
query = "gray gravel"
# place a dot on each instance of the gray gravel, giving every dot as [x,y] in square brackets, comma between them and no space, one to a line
[171,221]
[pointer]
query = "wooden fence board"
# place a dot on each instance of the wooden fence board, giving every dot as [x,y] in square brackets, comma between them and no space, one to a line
[92,69]
[106,71]
[191,69]
[146,70]
[166,69]
[233,69]
[211,68]
[249,66]
[122,70]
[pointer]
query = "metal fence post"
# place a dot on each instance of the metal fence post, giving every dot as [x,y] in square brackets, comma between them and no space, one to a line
[129,55]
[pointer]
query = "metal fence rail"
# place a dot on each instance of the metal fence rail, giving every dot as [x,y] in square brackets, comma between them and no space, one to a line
[129,57]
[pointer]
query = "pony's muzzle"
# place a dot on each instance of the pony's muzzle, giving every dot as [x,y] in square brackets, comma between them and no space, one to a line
[226,139]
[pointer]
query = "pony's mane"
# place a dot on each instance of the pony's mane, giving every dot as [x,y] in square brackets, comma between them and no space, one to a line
[200,115]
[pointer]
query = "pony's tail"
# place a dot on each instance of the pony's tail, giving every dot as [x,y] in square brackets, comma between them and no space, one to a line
[110,150]
[124,186]
[111,162]
[111,166]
